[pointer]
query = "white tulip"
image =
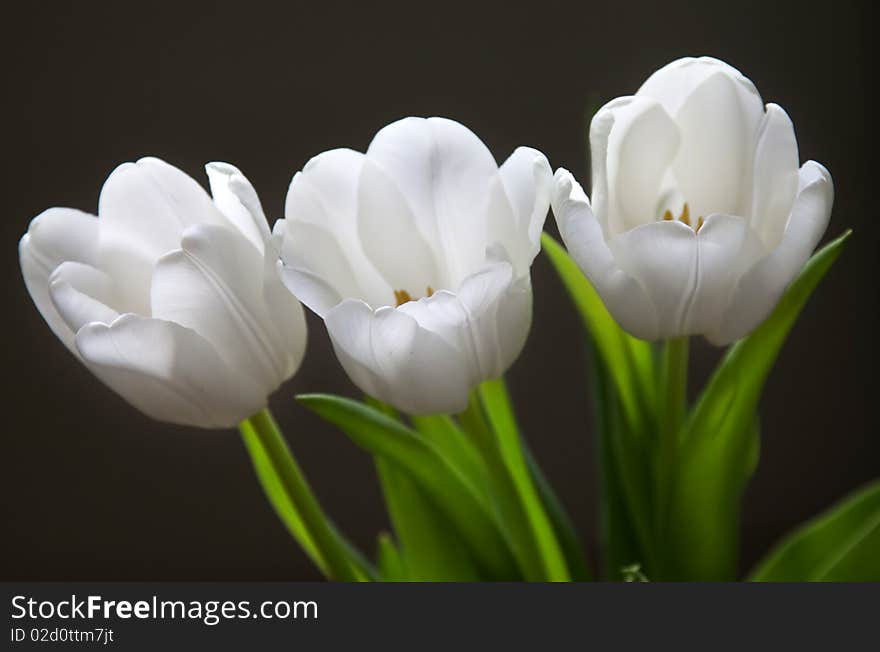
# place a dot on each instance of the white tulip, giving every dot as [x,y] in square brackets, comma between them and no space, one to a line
[171,299]
[417,256]
[700,216]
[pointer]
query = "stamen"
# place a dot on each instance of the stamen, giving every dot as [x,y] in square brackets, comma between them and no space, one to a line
[685,214]
[699,224]
[402,296]
[668,215]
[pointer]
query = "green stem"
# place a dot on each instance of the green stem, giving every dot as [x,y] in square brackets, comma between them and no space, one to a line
[671,409]
[497,438]
[290,494]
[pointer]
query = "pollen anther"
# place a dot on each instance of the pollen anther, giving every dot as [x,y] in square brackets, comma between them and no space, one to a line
[402,296]
[684,218]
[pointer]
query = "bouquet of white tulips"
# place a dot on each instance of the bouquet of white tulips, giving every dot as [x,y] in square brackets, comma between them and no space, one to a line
[416,254]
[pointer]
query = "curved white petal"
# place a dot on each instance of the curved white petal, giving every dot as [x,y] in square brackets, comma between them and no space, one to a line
[726,248]
[82,294]
[718,123]
[320,232]
[444,171]
[391,239]
[286,316]
[388,355]
[641,144]
[487,320]
[313,248]
[312,289]
[527,181]
[214,285]
[236,198]
[499,316]
[633,141]
[674,83]
[662,256]
[513,321]
[625,299]
[775,176]
[759,290]
[54,236]
[444,315]
[168,372]
[144,208]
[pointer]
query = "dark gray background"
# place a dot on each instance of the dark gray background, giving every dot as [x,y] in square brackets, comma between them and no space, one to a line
[94,490]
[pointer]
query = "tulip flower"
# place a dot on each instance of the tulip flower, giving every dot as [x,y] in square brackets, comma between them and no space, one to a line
[417,256]
[169,297]
[700,216]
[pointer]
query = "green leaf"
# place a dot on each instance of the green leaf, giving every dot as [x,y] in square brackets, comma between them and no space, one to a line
[279,500]
[619,514]
[453,494]
[718,451]
[391,565]
[841,545]
[453,444]
[499,411]
[295,503]
[430,546]
[628,411]
[629,361]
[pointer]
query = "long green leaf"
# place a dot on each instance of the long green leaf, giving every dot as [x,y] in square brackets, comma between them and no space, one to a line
[430,547]
[391,564]
[841,545]
[279,500]
[629,407]
[503,495]
[499,411]
[629,361]
[453,444]
[460,502]
[294,502]
[620,542]
[718,447]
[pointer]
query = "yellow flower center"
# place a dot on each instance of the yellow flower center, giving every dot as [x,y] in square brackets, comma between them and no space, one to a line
[684,218]
[402,296]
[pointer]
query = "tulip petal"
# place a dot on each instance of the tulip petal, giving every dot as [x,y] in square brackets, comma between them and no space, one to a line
[235,197]
[286,317]
[499,316]
[54,236]
[317,251]
[391,238]
[718,120]
[674,83]
[320,232]
[388,355]
[444,171]
[310,288]
[487,321]
[144,208]
[625,299]
[214,285]
[167,371]
[633,141]
[759,290]
[82,294]
[526,182]
[775,180]
[663,257]
[726,248]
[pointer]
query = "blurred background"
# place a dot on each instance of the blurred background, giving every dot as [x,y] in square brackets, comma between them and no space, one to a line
[93,490]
